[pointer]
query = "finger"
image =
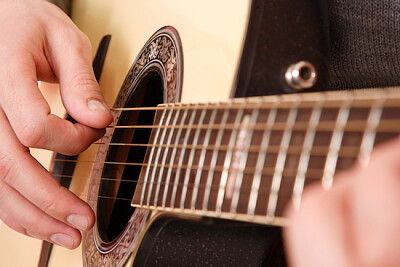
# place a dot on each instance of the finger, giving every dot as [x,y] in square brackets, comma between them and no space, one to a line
[375,210]
[29,114]
[317,234]
[22,172]
[34,221]
[68,56]
[70,59]
[4,218]
[11,223]
[46,193]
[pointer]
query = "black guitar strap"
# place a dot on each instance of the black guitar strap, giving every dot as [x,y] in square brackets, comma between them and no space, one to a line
[65,5]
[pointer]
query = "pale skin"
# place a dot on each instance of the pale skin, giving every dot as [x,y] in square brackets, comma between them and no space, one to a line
[40,43]
[356,223]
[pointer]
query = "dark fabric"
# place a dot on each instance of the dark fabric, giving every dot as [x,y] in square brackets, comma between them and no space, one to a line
[65,5]
[365,41]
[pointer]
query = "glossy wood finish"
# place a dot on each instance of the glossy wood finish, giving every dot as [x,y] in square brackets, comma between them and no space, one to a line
[265,151]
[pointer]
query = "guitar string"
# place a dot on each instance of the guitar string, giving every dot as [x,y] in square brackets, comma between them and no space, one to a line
[247,171]
[240,105]
[251,148]
[262,192]
[283,193]
[189,185]
[312,174]
[350,152]
[192,127]
[264,104]
[347,151]
[217,169]
[327,125]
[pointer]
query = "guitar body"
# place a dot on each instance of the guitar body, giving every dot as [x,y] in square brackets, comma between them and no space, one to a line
[219,49]
[212,39]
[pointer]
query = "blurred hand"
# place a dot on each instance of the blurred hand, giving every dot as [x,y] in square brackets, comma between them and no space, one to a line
[38,42]
[356,223]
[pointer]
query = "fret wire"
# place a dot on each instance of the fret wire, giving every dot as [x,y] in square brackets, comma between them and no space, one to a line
[256,183]
[242,166]
[181,158]
[334,147]
[154,171]
[164,159]
[227,161]
[368,138]
[280,163]
[150,159]
[238,149]
[305,155]
[172,159]
[213,163]
[190,161]
[202,159]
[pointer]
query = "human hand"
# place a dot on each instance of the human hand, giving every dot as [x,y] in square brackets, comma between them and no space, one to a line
[356,223]
[40,43]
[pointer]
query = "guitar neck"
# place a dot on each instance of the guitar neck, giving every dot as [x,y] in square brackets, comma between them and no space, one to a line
[246,159]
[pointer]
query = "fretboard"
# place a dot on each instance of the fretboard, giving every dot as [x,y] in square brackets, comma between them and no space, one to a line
[246,159]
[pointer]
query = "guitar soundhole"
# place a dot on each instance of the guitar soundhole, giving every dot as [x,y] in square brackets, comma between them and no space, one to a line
[125,157]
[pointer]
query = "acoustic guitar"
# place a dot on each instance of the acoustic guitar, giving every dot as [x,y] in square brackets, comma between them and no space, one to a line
[199,164]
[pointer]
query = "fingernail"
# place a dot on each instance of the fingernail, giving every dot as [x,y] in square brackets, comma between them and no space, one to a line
[79,221]
[63,240]
[96,105]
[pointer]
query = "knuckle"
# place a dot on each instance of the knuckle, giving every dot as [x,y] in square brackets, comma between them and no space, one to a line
[3,191]
[79,144]
[7,162]
[84,41]
[77,39]
[48,205]
[31,133]
[77,149]
[86,80]
[5,218]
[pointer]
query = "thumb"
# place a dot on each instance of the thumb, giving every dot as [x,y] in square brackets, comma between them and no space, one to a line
[70,58]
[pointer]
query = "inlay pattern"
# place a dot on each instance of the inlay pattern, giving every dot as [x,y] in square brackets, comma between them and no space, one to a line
[164,49]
